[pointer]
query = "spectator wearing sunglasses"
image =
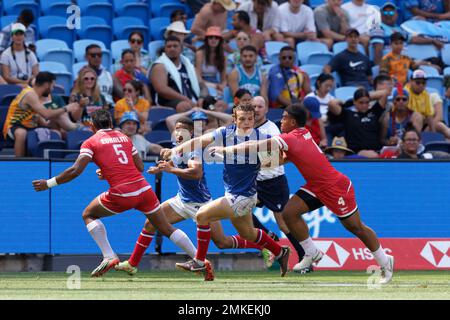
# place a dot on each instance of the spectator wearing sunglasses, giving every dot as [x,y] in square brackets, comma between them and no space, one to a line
[400,117]
[86,93]
[397,64]
[132,102]
[429,105]
[143,60]
[288,84]
[210,61]
[128,72]
[380,37]
[93,56]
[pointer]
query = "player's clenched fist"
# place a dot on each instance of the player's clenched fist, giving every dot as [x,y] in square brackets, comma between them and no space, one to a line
[40,185]
[166,154]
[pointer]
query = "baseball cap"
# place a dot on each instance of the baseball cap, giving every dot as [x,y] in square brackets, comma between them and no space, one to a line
[389,4]
[419,74]
[199,115]
[18,27]
[351,31]
[313,106]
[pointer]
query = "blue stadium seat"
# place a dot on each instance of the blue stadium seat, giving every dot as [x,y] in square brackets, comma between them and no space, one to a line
[157,27]
[345,93]
[166,9]
[266,68]
[428,136]
[158,115]
[189,23]
[76,137]
[445,52]
[306,48]
[421,51]
[438,146]
[157,136]
[342,45]
[58,90]
[313,79]
[54,50]
[63,76]
[153,48]
[7,99]
[55,7]
[155,6]
[16,6]
[227,96]
[77,67]
[117,47]
[447,71]
[273,48]
[95,28]
[7,89]
[321,58]
[375,71]
[436,83]
[315,3]
[430,71]
[426,28]
[54,27]
[79,51]
[3,113]
[7,20]
[97,8]
[36,148]
[123,26]
[275,114]
[311,69]
[132,8]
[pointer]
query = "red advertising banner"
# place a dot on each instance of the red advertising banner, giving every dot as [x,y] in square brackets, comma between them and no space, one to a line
[351,254]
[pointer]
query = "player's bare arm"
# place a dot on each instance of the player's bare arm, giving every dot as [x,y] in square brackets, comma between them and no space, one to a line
[66,176]
[188,146]
[138,162]
[194,170]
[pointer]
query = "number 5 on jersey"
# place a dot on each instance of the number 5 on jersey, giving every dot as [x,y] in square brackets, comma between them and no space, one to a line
[122,156]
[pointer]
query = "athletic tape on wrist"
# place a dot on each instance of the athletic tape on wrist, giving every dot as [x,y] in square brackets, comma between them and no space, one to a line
[52,182]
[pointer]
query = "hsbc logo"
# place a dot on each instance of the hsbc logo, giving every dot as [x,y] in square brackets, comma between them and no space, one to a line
[334,255]
[437,253]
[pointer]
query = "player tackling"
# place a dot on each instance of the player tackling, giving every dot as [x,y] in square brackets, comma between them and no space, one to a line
[324,186]
[120,164]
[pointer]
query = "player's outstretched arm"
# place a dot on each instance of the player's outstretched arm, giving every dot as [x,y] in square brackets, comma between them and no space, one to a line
[67,175]
[190,145]
[265,145]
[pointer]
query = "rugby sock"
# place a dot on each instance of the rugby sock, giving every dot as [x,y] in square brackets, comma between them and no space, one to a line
[258,225]
[241,243]
[309,247]
[203,238]
[296,245]
[98,232]
[142,243]
[182,240]
[381,257]
[267,242]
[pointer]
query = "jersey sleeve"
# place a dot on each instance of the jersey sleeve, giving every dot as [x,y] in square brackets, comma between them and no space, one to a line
[87,149]
[283,141]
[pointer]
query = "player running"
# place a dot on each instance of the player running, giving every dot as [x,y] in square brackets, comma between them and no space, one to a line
[121,166]
[239,177]
[193,193]
[324,186]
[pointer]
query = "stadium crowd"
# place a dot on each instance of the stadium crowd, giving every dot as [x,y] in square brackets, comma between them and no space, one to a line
[374,86]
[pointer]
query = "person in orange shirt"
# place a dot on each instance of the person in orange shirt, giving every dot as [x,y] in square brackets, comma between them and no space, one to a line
[132,101]
[396,64]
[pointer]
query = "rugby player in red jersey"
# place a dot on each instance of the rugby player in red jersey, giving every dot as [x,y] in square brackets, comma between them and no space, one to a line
[120,164]
[324,186]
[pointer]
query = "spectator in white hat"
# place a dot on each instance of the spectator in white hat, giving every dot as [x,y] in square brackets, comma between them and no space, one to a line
[19,64]
[178,29]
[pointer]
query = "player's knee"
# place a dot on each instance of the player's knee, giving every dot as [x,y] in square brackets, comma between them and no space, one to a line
[87,214]
[201,218]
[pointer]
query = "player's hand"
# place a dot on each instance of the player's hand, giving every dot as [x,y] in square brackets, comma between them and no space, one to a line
[99,174]
[165,166]
[40,185]
[216,150]
[153,170]
[166,154]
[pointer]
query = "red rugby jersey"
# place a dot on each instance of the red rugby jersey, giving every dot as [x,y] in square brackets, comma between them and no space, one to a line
[300,149]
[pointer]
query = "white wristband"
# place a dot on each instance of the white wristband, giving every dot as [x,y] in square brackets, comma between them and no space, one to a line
[52,182]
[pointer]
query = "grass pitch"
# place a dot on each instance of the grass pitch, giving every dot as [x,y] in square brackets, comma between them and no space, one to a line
[175,285]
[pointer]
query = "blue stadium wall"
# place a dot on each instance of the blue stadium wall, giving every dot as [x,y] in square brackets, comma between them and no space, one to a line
[397,199]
